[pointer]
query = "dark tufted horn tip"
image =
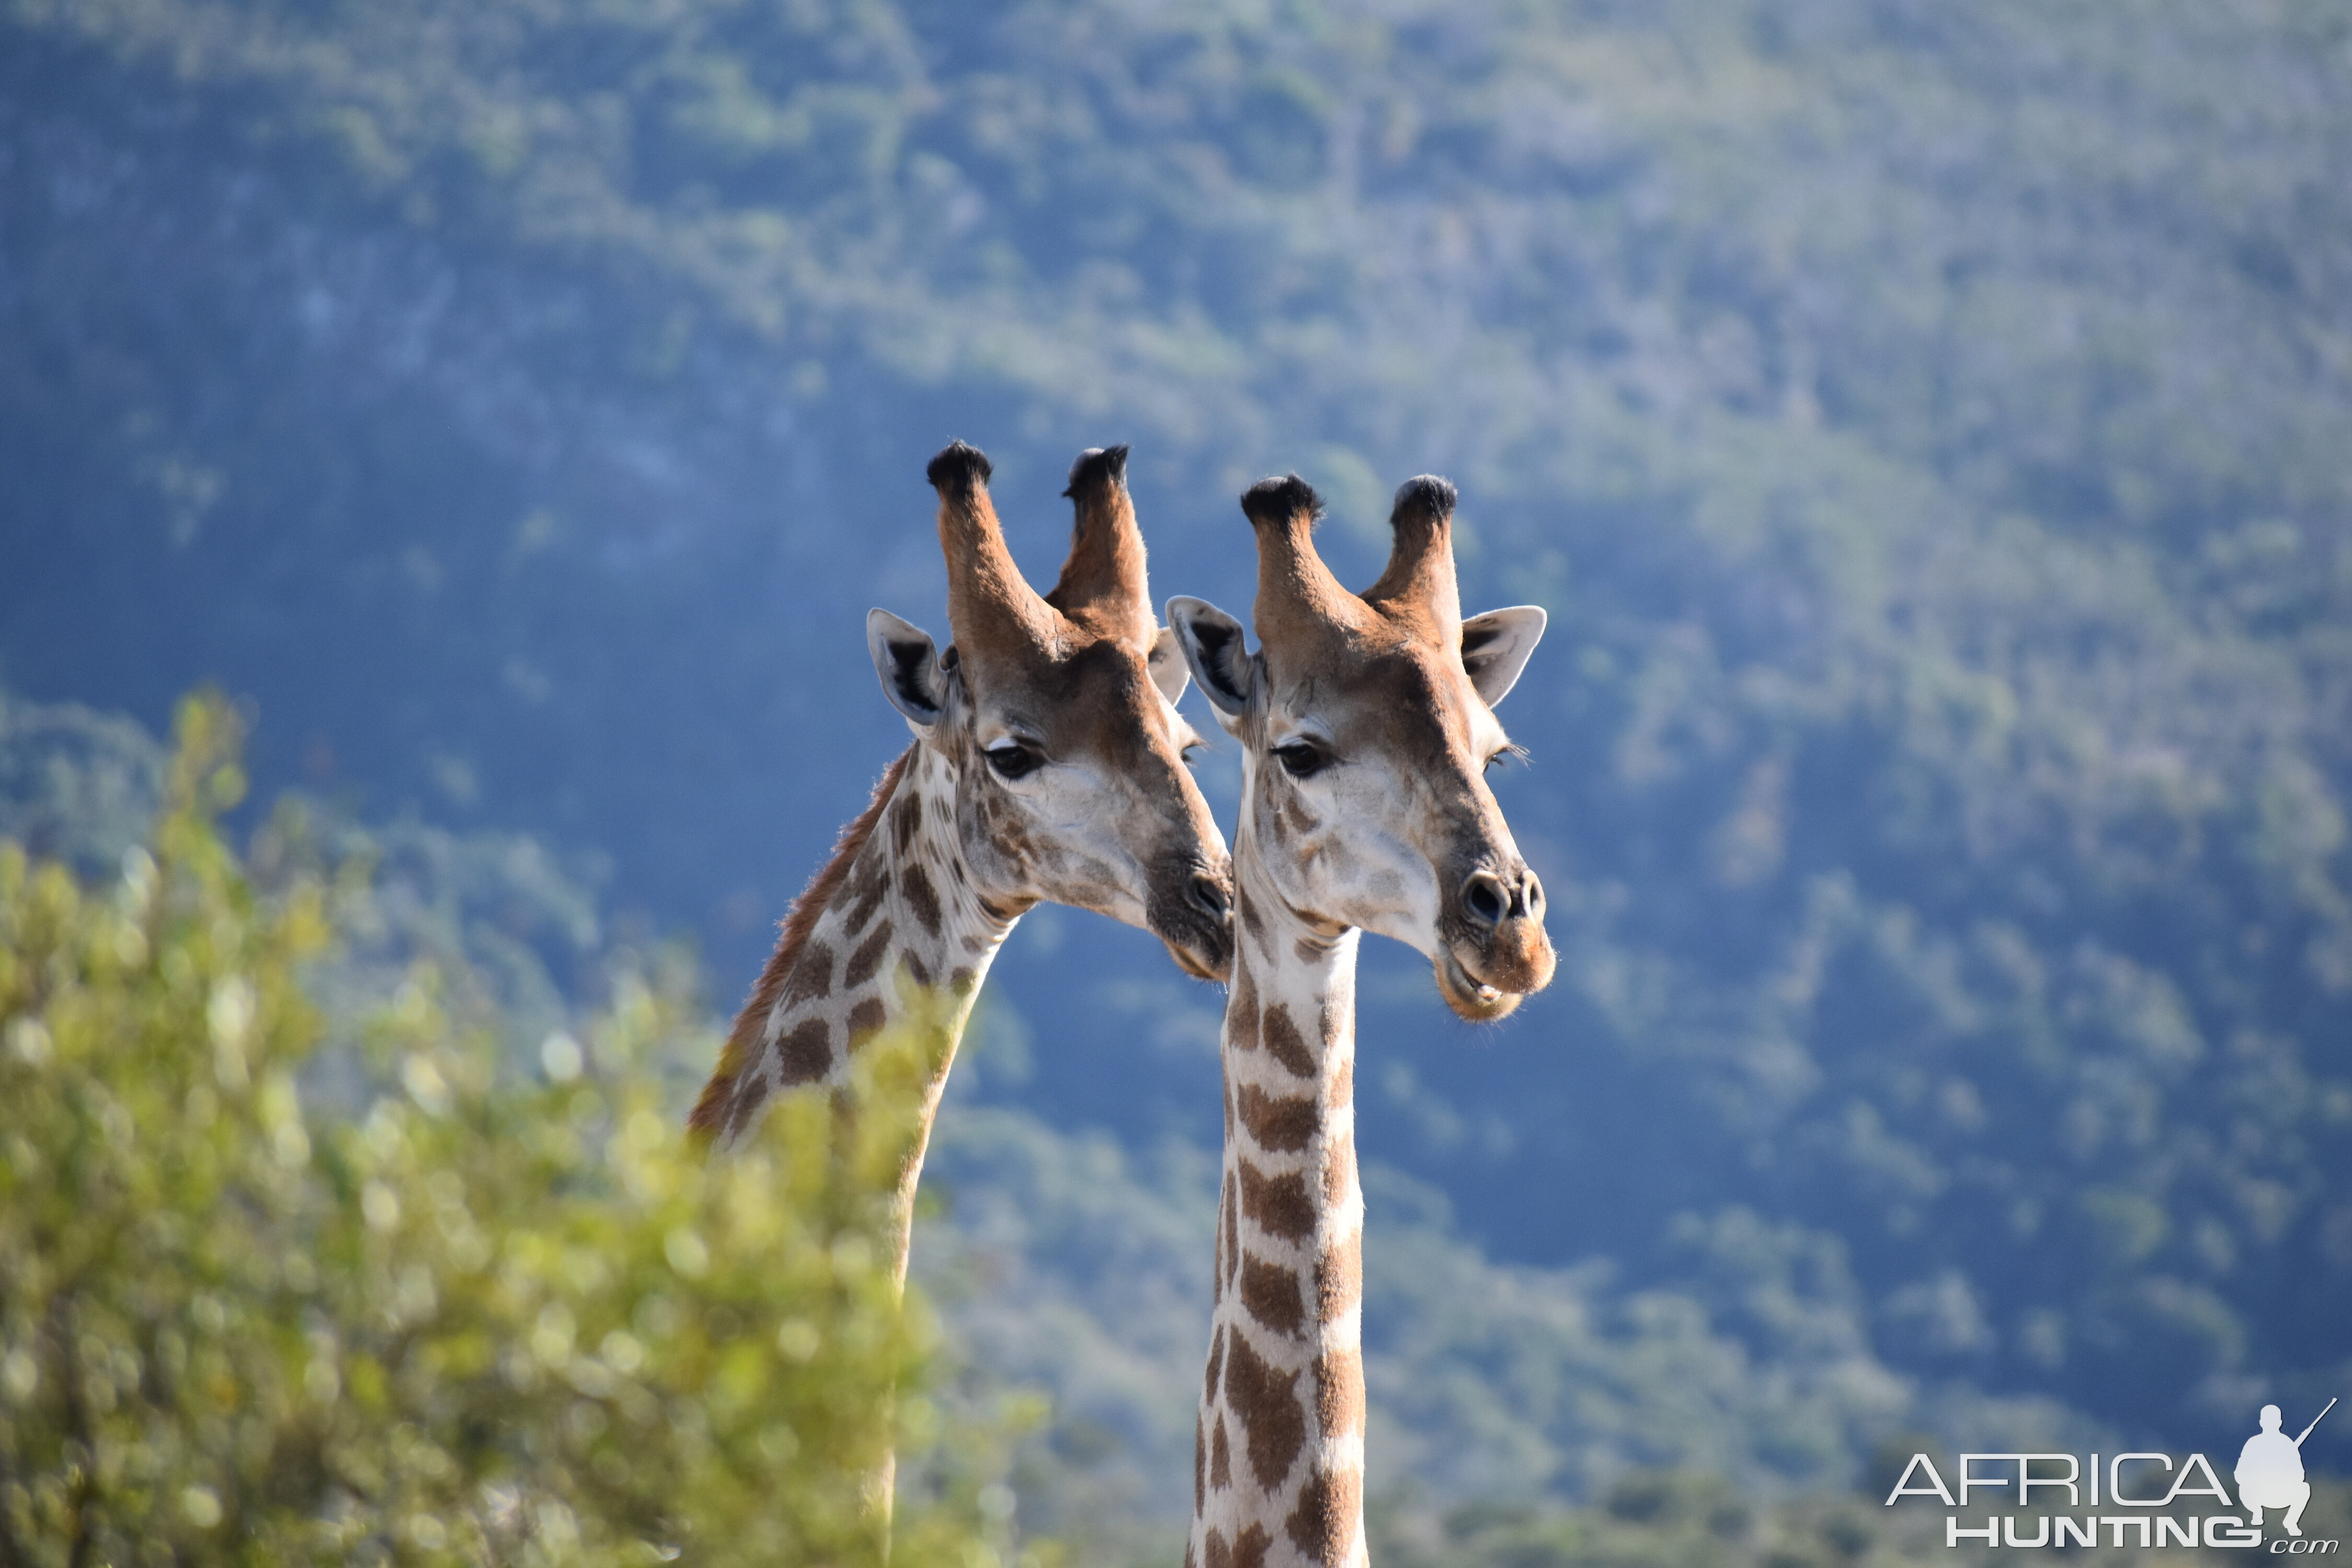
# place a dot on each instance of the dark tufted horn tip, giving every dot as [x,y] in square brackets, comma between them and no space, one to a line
[1425,495]
[1281,499]
[1098,464]
[959,467]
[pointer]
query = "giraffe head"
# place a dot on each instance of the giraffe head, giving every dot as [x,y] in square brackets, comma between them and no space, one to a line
[1056,716]
[1367,725]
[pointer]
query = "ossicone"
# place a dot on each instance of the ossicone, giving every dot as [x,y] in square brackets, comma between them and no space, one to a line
[991,606]
[1096,464]
[1102,584]
[1281,501]
[1423,496]
[1420,572]
[959,467]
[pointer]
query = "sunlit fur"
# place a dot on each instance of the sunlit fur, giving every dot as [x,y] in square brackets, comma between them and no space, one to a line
[1103,814]
[1396,830]
[1366,723]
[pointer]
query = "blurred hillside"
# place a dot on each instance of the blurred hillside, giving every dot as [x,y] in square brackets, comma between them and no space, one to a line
[1064,1265]
[1922,424]
[306,1111]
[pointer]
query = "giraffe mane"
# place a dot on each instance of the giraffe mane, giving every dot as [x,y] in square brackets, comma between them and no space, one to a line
[709,1114]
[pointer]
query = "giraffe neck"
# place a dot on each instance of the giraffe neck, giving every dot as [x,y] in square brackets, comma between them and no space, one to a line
[1278,1464]
[904,923]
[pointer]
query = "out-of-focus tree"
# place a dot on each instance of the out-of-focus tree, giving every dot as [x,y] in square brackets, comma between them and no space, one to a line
[474,1315]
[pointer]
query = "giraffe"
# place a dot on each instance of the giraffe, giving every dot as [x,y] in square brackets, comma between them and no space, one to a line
[1366,726]
[1047,764]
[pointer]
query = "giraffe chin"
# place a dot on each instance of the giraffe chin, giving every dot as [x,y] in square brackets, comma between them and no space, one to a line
[1201,966]
[1469,997]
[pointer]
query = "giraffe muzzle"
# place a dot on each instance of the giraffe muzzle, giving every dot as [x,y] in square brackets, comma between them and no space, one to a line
[1498,952]
[1210,897]
[1198,924]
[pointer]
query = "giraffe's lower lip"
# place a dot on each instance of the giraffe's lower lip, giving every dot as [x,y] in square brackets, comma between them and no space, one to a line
[1202,947]
[1216,964]
[1468,996]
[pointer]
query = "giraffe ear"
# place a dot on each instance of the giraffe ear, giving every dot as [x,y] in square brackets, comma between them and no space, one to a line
[1217,654]
[909,668]
[1494,648]
[1166,665]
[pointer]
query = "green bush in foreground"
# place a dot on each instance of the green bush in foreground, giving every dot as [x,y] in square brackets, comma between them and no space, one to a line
[465,1316]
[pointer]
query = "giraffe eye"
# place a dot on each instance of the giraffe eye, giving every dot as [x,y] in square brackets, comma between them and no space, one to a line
[1012,760]
[1301,759]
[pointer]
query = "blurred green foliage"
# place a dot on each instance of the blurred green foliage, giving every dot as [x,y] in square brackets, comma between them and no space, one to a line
[475,1315]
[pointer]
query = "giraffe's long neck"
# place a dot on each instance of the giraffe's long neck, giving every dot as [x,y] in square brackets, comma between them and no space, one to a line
[1278,1465]
[902,906]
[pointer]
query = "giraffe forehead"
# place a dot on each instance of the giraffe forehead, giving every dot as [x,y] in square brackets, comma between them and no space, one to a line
[1094,699]
[1397,697]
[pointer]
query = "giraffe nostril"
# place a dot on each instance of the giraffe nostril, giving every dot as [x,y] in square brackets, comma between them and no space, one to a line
[1483,899]
[1207,895]
[1532,895]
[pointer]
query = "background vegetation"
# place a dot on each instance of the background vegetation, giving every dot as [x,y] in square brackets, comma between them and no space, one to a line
[1922,424]
[392,1300]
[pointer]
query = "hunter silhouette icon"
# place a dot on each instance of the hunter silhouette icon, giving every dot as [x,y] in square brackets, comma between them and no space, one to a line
[2270,1471]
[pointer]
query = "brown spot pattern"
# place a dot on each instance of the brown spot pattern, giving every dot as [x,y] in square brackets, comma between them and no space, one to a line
[1274,1423]
[866,959]
[1216,1363]
[915,967]
[749,1097]
[751,1026]
[1271,1295]
[865,1018]
[1282,1038]
[1221,1457]
[1241,1013]
[1229,1210]
[1249,1547]
[1339,1393]
[1339,1169]
[1279,1204]
[1280,1125]
[907,819]
[1217,1554]
[1343,1084]
[1323,1525]
[1339,1278]
[869,899]
[1199,1475]
[916,885]
[812,976]
[805,1054]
